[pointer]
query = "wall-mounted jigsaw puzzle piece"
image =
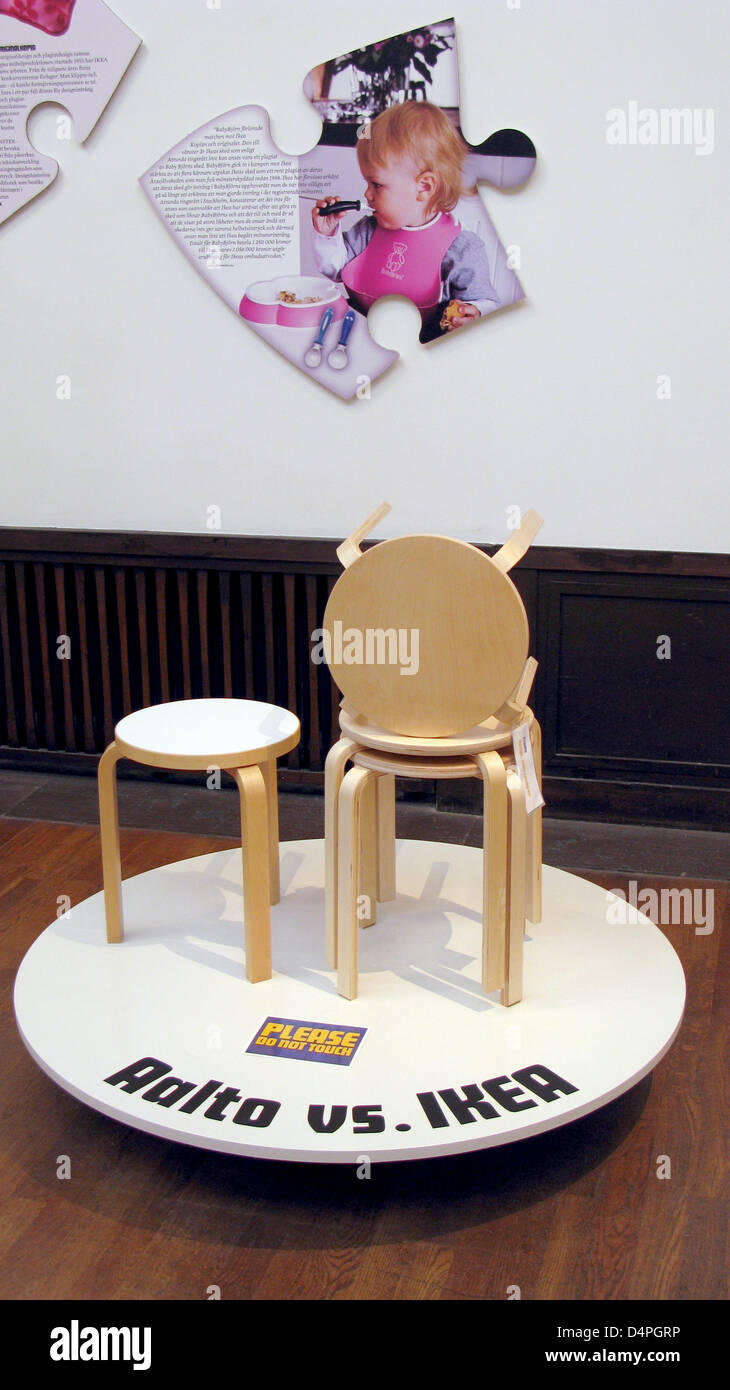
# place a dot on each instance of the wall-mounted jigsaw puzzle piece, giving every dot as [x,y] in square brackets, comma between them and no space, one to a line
[74,52]
[386,203]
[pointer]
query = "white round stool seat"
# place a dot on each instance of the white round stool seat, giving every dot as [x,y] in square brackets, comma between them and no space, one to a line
[481,739]
[195,733]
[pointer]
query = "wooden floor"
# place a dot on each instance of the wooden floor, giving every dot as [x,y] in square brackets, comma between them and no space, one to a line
[578,1213]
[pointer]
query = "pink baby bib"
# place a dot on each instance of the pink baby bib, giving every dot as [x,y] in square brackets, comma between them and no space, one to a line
[52,16]
[404,261]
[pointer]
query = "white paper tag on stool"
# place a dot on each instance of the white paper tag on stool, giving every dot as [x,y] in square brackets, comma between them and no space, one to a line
[525,764]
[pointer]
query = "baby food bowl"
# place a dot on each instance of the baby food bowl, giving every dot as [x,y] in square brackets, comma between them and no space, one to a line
[262,302]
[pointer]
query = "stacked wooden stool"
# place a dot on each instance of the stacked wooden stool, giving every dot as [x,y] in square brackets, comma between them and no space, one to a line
[427,638]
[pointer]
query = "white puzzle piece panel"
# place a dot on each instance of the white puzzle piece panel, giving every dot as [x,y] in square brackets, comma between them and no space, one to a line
[74,52]
[386,203]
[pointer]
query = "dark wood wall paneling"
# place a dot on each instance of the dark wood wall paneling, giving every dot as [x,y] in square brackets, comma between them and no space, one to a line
[158,617]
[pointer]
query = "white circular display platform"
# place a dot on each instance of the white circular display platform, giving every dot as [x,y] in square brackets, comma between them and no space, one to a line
[157,1031]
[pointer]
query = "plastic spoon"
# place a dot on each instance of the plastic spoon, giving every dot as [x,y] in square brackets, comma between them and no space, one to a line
[338,356]
[313,355]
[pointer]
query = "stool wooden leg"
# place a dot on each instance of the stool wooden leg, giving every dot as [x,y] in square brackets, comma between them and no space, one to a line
[334,771]
[268,772]
[367,905]
[256,891]
[110,852]
[385,794]
[348,877]
[494,778]
[516,857]
[533,907]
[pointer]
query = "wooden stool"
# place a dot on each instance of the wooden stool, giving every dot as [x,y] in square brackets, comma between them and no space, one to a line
[242,737]
[427,637]
[360,850]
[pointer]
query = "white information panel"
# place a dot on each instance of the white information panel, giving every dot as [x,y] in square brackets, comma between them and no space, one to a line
[165,1033]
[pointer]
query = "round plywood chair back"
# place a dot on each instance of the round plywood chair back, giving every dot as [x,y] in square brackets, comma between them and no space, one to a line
[425,635]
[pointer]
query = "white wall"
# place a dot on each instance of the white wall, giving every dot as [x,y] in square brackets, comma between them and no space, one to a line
[175,405]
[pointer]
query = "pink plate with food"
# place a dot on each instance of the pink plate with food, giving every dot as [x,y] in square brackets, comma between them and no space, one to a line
[292,301]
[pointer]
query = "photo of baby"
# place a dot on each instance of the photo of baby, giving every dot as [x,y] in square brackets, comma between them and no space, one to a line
[408,242]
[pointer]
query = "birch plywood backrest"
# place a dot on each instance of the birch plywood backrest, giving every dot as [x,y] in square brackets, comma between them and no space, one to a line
[425,635]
